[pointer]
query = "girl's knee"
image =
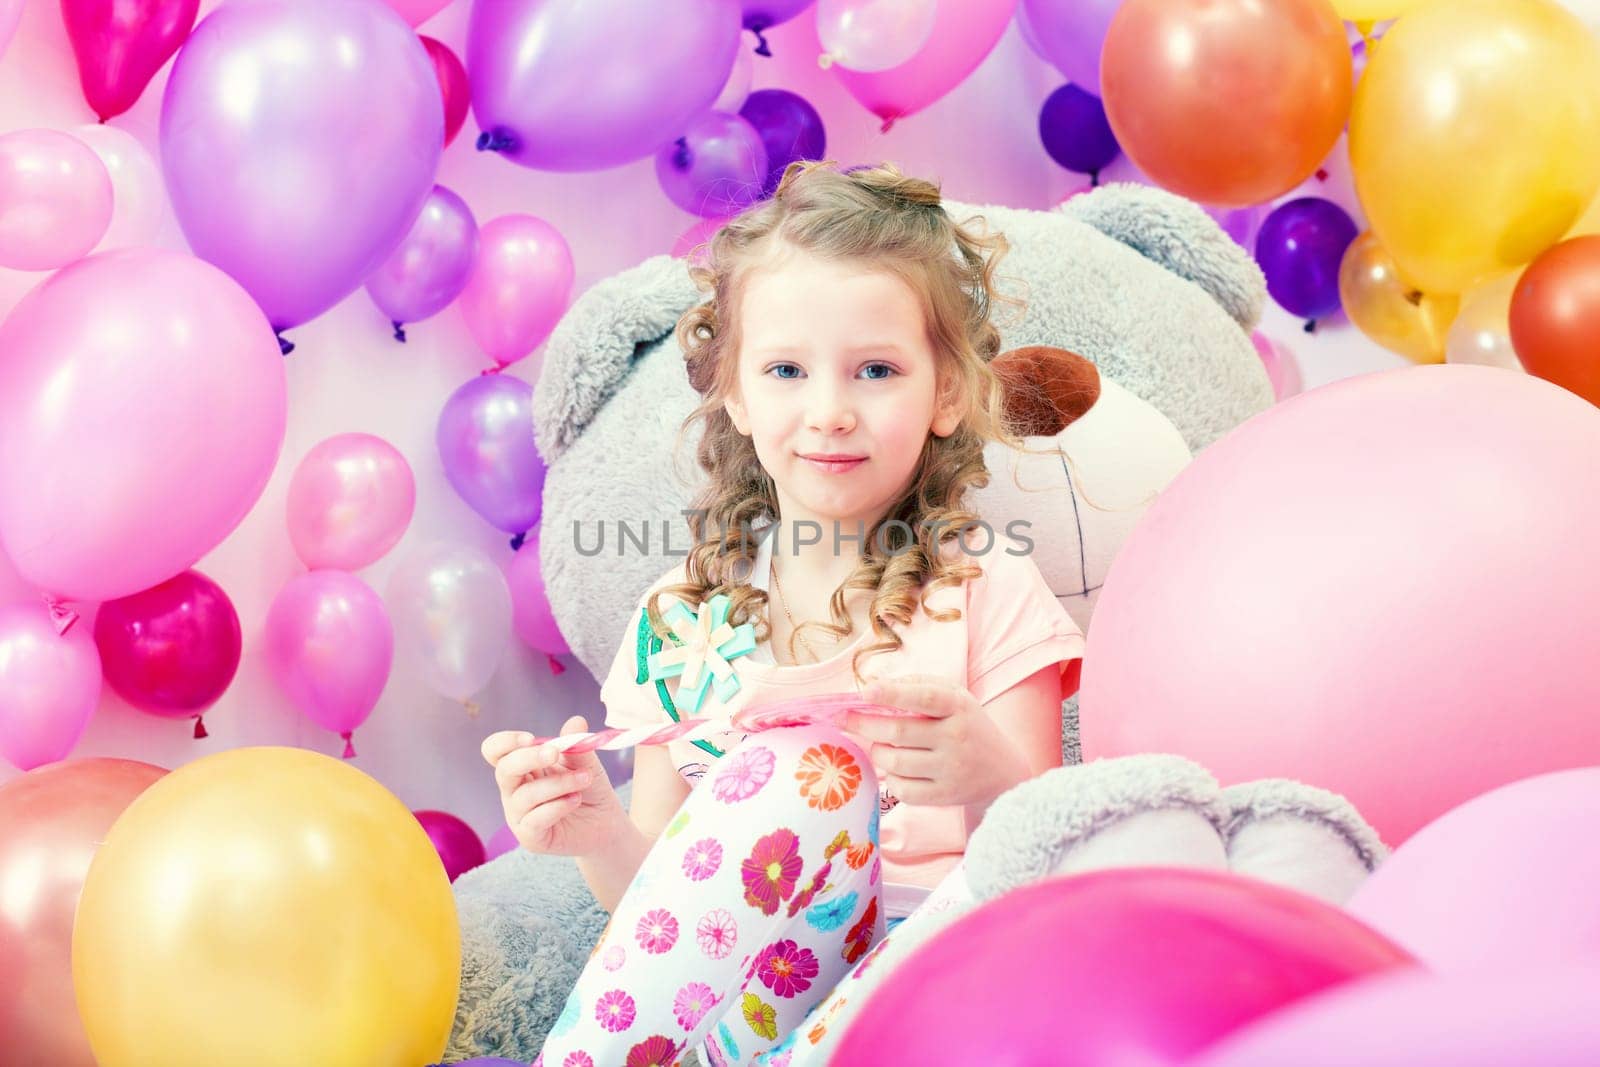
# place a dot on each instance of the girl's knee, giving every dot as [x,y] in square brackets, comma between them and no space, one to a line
[818,765]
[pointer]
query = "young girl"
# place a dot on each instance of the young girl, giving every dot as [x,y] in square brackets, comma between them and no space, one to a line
[844,363]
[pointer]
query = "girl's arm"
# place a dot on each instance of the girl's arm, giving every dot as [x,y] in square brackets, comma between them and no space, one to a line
[658,792]
[1028,716]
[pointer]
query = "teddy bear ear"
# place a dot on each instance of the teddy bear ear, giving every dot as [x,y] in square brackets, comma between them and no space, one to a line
[1046,388]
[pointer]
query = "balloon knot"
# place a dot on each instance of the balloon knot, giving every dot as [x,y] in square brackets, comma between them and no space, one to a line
[1094,179]
[349,745]
[518,541]
[496,140]
[284,344]
[400,333]
[471,708]
[1310,326]
[761,40]
[681,157]
[499,366]
[825,60]
[1414,297]
[1322,174]
[200,728]
[557,668]
[61,616]
[888,124]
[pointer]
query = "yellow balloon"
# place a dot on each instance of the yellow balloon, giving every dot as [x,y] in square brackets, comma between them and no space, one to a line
[1482,330]
[1475,136]
[1387,310]
[266,906]
[1370,11]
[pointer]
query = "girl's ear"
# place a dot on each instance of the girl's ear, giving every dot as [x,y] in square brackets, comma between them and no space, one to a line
[733,404]
[950,408]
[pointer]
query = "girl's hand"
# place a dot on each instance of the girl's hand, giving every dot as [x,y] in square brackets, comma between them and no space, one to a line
[952,754]
[555,803]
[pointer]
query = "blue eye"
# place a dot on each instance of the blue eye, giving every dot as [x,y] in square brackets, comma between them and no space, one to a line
[784,367]
[888,370]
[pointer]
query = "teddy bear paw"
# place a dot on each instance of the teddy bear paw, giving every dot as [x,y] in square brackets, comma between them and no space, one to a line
[1299,836]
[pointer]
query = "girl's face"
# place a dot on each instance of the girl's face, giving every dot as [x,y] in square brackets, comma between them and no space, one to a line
[837,387]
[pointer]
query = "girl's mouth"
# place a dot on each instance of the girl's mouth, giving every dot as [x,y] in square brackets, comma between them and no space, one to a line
[835,464]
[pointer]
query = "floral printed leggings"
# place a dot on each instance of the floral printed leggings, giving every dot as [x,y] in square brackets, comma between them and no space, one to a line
[754,903]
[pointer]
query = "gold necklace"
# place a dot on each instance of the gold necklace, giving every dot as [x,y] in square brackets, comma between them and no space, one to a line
[784,600]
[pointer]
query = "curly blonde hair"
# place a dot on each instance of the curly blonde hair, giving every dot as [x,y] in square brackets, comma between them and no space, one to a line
[886,220]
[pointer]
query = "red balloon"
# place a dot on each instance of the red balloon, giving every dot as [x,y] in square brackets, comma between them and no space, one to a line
[1555,316]
[120,44]
[173,649]
[1228,102]
[1141,965]
[452,84]
[51,821]
[460,848]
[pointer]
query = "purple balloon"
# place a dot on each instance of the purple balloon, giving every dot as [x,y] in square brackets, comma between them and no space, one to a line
[299,141]
[1073,127]
[1069,33]
[485,439]
[589,84]
[1299,248]
[716,168]
[431,265]
[459,848]
[790,129]
[761,15]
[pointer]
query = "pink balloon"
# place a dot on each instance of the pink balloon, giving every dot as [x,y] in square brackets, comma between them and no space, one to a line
[10,15]
[694,242]
[531,616]
[416,12]
[453,86]
[459,848]
[1506,879]
[350,501]
[49,685]
[138,195]
[55,199]
[330,646]
[1282,369]
[120,45]
[501,842]
[1384,587]
[963,35]
[171,650]
[1140,965]
[519,288]
[141,413]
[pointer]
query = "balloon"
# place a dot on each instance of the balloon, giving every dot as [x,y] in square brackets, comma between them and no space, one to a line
[1282,369]
[10,16]
[452,617]
[1073,127]
[694,243]
[1300,247]
[736,90]
[1481,332]
[431,265]
[120,45]
[873,35]
[717,167]
[589,84]
[761,15]
[171,650]
[1501,156]
[299,143]
[1242,224]
[1555,316]
[963,36]
[520,285]
[1404,561]
[453,87]
[329,646]
[1250,133]
[1505,880]
[1383,307]
[1366,12]
[485,440]
[1070,34]
[458,846]
[1135,965]
[144,389]
[790,129]
[531,615]
[138,195]
[502,841]
[1587,10]
[49,685]
[55,199]
[416,12]
[350,501]
[51,821]
[1545,1018]
[266,905]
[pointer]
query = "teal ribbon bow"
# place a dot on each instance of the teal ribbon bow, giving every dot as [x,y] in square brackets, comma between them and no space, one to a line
[700,659]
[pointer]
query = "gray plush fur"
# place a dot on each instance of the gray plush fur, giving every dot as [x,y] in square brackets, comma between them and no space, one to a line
[1248,802]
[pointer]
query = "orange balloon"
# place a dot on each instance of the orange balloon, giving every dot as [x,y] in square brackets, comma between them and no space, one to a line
[1555,316]
[1388,311]
[52,820]
[1229,102]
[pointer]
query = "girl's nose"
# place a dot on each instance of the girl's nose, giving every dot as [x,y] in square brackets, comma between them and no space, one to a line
[829,410]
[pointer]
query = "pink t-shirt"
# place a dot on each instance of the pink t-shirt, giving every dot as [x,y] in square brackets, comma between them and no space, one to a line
[1011,626]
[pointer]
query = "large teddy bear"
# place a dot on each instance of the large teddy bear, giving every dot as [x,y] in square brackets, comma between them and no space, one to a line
[1158,302]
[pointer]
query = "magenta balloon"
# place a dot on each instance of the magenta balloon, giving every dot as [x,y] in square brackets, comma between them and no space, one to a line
[350,501]
[171,650]
[1070,33]
[963,35]
[459,848]
[716,168]
[49,685]
[141,413]
[416,12]
[120,46]
[519,288]
[1142,965]
[299,142]
[431,265]
[531,616]
[485,439]
[500,842]
[590,84]
[329,645]
[55,199]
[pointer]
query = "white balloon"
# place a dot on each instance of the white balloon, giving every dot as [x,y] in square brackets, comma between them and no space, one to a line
[871,35]
[138,195]
[451,610]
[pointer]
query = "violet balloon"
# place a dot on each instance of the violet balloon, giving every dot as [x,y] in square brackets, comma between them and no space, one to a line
[453,86]
[120,45]
[329,646]
[451,611]
[144,388]
[55,199]
[171,650]
[1073,127]
[1069,34]
[764,14]
[531,616]
[485,440]
[350,501]
[718,166]
[431,265]
[790,129]
[1300,247]
[299,142]
[520,285]
[459,847]
[589,84]
[49,685]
